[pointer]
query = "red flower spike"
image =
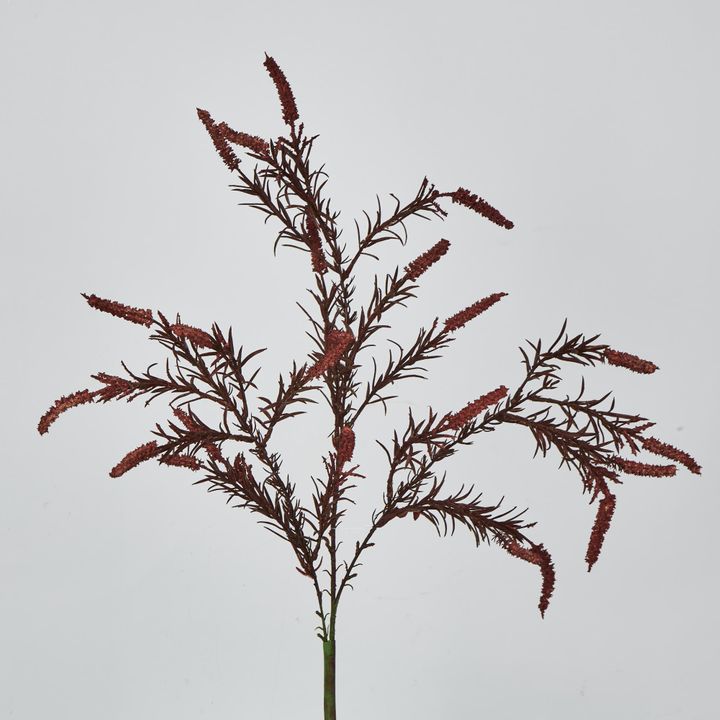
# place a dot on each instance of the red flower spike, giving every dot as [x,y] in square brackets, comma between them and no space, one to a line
[213,452]
[60,406]
[186,461]
[537,555]
[465,316]
[185,419]
[637,468]
[631,362]
[252,142]
[472,201]
[672,453]
[194,335]
[605,511]
[221,144]
[345,445]
[131,314]
[335,345]
[287,99]
[115,387]
[423,262]
[134,458]
[319,263]
[473,409]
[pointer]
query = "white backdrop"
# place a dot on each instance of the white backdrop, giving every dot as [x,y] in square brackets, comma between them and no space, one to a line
[592,125]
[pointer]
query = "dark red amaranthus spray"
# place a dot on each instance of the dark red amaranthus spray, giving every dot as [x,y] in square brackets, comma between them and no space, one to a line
[217,402]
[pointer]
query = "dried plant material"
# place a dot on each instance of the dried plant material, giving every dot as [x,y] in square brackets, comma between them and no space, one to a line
[208,374]
[631,362]
[60,406]
[465,316]
[131,314]
[135,457]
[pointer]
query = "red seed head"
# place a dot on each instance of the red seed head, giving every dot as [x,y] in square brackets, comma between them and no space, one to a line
[115,387]
[423,262]
[605,511]
[180,460]
[196,336]
[537,555]
[465,316]
[252,142]
[185,419]
[319,263]
[472,201]
[60,406]
[631,362]
[134,458]
[134,315]
[631,467]
[287,99]
[345,445]
[672,453]
[335,346]
[219,141]
[473,409]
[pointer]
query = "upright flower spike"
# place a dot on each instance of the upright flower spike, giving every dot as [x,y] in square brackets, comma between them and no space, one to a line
[472,201]
[465,316]
[605,511]
[61,405]
[345,445]
[319,263]
[219,141]
[131,314]
[287,99]
[424,262]
[631,362]
[134,458]
[195,335]
[631,467]
[473,409]
[670,452]
[537,555]
[335,346]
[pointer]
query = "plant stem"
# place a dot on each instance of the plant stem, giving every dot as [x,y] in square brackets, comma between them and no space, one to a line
[329,675]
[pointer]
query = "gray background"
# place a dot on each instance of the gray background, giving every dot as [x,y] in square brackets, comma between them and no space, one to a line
[592,125]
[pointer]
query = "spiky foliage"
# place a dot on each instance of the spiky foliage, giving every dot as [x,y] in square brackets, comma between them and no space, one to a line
[206,368]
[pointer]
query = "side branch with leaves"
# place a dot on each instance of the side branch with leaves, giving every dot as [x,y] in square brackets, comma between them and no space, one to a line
[206,374]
